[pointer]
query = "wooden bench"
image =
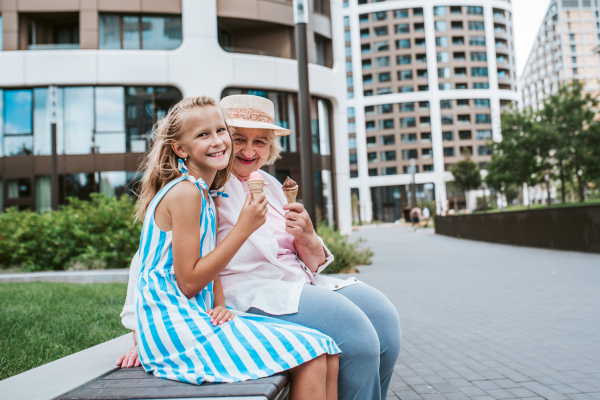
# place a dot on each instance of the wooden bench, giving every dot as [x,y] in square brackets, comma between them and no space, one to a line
[135,383]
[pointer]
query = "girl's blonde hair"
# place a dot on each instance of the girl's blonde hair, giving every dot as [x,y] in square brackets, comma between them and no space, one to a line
[159,165]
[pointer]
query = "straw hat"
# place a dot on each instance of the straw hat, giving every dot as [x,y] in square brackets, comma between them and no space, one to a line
[247,111]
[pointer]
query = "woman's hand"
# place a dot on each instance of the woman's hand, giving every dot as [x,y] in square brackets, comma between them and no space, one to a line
[220,315]
[129,359]
[306,241]
[253,214]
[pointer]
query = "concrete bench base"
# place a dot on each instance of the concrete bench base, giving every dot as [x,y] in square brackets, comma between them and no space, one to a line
[135,383]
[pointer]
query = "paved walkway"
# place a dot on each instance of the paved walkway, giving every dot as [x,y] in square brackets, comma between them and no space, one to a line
[483,321]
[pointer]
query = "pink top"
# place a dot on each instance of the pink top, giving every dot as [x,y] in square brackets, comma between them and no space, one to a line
[287,250]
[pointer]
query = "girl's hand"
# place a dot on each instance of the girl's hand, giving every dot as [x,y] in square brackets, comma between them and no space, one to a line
[220,315]
[254,213]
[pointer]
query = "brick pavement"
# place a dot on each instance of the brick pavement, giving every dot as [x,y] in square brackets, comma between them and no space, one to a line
[483,321]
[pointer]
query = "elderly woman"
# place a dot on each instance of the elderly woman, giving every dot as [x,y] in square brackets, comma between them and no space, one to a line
[277,272]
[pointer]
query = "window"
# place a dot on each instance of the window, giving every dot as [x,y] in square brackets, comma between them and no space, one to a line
[572,49]
[348,51]
[366,63]
[419,27]
[353,173]
[389,171]
[443,57]
[447,120]
[445,86]
[420,42]
[18,122]
[371,141]
[483,134]
[407,169]
[385,108]
[349,66]
[381,46]
[365,48]
[427,168]
[382,62]
[405,75]
[409,138]
[364,33]
[474,10]
[386,124]
[385,90]
[464,119]
[363,18]
[458,41]
[417,12]
[351,127]
[405,89]
[346,21]
[574,72]
[402,28]
[444,72]
[388,140]
[370,125]
[367,93]
[459,55]
[461,103]
[424,105]
[482,103]
[455,10]
[380,31]
[478,56]
[441,26]
[372,171]
[478,71]
[464,135]
[426,137]
[457,25]
[369,110]
[410,122]
[421,58]
[347,36]
[441,41]
[380,16]
[403,44]
[424,121]
[372,157]
[466,150]
[352,146]
[426,153]
[401,13]
[572,37]
[388,155]
[423,88]
[460,71]
[410,154]
[148,32]
[440,11]
[407,107]
[445,104]
[402,60]
[350,94]
[461,86]
[421,73]
[483,119]
[349,82]
[350,112]
[477,40]
[484,150]
[367,79]
[448,151]
[480,85]
[447,135]
[476,26]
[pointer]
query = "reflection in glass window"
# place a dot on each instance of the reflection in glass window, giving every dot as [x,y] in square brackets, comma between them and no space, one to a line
[79,119]
[17,112]
[131,32]
[42,139]
[110,120]
[112,183]
[110,31]
[18,188]
[148,32]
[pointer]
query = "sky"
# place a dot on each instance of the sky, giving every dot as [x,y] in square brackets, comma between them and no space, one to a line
[527,17]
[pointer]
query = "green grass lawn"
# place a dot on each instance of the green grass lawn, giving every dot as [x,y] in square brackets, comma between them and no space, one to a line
[41,322]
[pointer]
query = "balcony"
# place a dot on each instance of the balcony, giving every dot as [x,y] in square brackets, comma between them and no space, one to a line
[256,37]
[49,31]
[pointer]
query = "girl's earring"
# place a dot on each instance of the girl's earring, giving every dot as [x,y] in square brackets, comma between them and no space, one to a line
[182,168]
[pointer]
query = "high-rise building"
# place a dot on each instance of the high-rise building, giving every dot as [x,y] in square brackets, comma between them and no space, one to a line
[426,82]
[563,50]
[111,68]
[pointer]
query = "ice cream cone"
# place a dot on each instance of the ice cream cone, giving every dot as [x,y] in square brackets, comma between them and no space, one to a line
[290,194]
[256,187]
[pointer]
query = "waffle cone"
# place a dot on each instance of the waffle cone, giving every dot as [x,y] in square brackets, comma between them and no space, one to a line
[290,194]
[256,187]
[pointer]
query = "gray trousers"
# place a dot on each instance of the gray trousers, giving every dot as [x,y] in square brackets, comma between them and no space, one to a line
[364,324]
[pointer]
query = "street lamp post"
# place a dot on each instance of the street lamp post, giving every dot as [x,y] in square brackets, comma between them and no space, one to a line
[54,157]
[308,186]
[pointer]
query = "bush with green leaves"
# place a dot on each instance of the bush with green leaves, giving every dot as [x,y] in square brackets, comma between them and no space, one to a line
[102,233]
[95,234]
[346,254]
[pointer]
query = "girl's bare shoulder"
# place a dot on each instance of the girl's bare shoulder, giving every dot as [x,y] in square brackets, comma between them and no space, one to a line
[184,195]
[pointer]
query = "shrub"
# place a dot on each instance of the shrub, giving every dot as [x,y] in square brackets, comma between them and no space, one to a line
[346,254]
[100,233]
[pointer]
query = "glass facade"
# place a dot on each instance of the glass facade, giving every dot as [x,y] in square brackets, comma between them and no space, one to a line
[141,31]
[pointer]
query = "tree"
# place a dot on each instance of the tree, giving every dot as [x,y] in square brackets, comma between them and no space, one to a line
[466,175]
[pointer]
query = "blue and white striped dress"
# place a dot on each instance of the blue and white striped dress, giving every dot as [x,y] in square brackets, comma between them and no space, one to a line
[175,337]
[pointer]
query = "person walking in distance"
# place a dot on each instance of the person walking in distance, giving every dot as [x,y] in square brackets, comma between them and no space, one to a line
[426,216]
[415,214]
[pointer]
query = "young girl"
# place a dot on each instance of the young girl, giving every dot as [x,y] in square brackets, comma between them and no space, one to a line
[185,332]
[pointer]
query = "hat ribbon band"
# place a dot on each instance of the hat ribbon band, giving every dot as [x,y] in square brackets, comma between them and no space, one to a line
[250,114]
